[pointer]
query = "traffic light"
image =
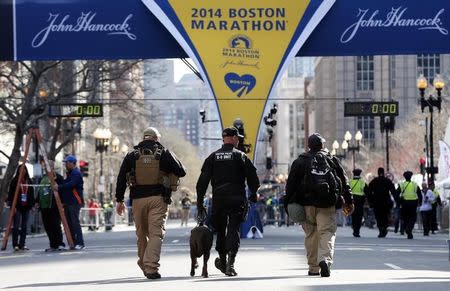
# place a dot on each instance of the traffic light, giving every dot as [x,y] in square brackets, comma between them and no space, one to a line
[422,166]
[84,168]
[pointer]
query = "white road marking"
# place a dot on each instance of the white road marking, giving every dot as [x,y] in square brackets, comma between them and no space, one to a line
[395,267]
[175,241]
[398,250]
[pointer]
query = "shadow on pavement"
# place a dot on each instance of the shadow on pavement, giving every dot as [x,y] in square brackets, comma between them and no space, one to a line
[127,280]
[250,278]
[435,286]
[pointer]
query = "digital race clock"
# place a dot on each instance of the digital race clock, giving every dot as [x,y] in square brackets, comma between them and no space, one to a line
[371,108]
[76,110]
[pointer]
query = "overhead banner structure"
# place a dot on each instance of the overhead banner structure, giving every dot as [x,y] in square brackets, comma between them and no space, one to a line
[117,29]
[240,47]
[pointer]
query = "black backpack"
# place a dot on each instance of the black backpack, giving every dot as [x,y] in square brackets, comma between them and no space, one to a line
[322,182]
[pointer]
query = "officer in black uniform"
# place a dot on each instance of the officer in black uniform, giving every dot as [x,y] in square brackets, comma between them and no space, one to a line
[227,169]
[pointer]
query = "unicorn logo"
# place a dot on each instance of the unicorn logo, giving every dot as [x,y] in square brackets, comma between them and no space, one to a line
[240,42]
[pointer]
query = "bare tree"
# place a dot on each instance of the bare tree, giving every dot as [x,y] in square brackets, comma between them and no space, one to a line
[27,89]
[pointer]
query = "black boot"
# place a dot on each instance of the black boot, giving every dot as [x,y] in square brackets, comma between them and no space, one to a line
[221,262]
[230,271]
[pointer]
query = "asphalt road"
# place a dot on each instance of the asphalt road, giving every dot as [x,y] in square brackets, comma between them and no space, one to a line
[276,262]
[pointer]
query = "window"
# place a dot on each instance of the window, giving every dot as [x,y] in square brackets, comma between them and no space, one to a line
[366,124]
[429,65]
[364,73]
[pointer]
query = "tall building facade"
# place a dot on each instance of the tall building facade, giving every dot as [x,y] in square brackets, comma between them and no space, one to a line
[369,78]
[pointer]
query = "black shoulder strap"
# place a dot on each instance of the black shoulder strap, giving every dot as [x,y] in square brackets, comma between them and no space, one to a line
[405,187]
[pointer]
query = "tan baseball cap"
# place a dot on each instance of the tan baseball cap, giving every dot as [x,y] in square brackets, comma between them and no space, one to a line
[151,132]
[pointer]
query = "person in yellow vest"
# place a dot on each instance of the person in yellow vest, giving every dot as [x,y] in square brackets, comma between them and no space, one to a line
[437,201]
[360,190]
[410,197]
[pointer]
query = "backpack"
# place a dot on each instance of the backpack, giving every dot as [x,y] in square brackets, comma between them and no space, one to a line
[322,182]
[147,166]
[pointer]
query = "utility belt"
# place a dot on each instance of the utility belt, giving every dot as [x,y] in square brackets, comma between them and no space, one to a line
[143,191]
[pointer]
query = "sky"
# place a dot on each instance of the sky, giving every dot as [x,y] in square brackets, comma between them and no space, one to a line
[180,69]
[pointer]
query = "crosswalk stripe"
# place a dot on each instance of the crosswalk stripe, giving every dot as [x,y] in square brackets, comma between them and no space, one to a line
[395,267]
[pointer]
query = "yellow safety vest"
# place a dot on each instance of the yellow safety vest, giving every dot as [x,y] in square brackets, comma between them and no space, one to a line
[408,190]
[436,195]
[357,186]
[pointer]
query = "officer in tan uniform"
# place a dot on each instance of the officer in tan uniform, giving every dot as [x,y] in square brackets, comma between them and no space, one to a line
[151,172]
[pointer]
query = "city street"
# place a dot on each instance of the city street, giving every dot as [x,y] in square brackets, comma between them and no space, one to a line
[276,262]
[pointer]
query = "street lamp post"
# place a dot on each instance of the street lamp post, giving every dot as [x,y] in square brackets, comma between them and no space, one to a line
[354,148]
[335,147]
[102,137]
[431,102]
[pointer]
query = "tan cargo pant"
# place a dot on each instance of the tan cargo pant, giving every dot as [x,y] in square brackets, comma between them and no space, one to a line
[320,233]
[150,215]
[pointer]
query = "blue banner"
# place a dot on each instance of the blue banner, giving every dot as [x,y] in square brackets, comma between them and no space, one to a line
[88,29]
[117,29]
[383,27]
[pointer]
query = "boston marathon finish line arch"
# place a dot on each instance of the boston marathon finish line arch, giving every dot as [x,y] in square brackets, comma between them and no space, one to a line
[241,47]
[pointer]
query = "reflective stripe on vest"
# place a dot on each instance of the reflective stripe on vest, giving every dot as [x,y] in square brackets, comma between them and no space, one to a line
[357,186]
[410,193]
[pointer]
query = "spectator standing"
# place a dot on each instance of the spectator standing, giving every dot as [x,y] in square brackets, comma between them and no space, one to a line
[24,204]
[426,208]
[71,191]
[49,210]
[185,209]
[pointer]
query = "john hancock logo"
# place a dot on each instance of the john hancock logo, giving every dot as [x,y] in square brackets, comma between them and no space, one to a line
[241,85]
[240,52]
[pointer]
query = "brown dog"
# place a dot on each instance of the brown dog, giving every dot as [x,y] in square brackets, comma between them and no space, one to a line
[201,242]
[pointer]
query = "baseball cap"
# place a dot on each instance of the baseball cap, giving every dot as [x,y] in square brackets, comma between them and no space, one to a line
[71,159]
[315,139]
[357,172]
[231,131]
[151,132]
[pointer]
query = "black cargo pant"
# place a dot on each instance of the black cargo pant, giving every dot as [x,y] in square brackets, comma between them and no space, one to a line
[52,225]
[357,214]
[409,215]
[227,219]
[382,217]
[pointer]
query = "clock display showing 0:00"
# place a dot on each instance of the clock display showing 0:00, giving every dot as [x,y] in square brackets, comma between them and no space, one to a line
[89,110]
[385,108]
[371,108]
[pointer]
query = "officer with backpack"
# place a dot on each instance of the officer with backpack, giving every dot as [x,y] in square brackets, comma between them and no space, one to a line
[318,182]
[151,172]
[360,190]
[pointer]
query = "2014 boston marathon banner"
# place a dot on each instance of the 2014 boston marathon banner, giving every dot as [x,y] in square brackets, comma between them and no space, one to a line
[240,47]
[117,29]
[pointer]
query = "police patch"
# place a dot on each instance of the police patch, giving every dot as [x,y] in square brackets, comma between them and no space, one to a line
[223,156]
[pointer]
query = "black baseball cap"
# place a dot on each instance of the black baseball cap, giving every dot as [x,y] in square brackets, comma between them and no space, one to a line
[231,131]
[315,139]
